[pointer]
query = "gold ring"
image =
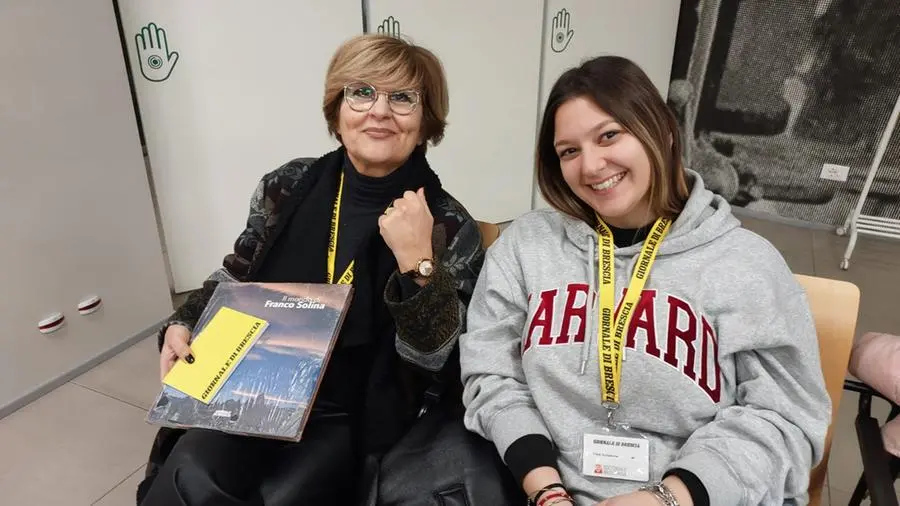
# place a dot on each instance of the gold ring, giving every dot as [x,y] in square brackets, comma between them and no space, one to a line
[388,210]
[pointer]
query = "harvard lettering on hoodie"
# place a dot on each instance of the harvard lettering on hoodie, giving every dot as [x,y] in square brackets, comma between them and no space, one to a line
[721,370]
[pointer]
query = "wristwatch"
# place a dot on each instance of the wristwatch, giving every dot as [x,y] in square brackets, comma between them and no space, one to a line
[424,269]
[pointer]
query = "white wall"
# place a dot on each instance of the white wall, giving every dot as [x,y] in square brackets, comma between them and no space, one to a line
[243,97]
[641,30]
[491,54]
[75,208]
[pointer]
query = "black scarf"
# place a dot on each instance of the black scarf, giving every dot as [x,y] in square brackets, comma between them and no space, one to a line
[364,364]
[308,215]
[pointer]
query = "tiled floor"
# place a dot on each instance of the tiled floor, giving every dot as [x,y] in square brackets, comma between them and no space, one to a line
[86,442]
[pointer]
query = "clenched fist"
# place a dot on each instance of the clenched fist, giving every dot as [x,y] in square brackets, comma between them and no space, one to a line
[406,228]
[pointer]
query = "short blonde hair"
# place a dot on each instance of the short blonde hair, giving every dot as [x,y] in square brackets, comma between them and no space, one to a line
[386,61]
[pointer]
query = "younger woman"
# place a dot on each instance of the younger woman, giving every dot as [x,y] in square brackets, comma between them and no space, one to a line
[634,345]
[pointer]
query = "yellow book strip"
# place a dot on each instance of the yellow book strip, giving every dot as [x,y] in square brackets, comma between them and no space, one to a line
[217,349]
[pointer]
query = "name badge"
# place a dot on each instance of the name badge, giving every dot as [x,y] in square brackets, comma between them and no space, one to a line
[616,456]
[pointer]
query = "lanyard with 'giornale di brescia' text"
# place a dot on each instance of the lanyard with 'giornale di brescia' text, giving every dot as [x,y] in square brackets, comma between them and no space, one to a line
[612,334]
[347,277]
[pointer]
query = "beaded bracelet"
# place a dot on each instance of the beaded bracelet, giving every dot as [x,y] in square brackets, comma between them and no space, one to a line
[533,500]
[559,500]
[549,498]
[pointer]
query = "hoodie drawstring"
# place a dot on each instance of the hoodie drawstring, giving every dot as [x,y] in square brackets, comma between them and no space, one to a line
[590,305]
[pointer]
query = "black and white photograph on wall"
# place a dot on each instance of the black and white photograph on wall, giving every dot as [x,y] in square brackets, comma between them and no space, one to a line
[782,104]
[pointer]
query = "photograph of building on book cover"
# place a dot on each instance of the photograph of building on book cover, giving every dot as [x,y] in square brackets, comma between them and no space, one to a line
[269,391]
[771,95]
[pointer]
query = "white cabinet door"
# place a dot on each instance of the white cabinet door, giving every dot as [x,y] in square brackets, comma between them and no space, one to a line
[76,213]
[228,90]
[491,53]
[577,30]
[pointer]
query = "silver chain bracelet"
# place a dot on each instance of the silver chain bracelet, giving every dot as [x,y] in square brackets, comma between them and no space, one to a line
[662,492]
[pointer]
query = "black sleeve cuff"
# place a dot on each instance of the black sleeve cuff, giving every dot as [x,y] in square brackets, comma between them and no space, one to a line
[695,487]
[529,453]
[408,288]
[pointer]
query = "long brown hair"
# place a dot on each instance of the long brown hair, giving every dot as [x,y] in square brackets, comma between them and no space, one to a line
[619,87]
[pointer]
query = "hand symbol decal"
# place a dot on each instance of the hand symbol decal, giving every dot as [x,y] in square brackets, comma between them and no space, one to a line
[153,53]
[561,33]
[390,26]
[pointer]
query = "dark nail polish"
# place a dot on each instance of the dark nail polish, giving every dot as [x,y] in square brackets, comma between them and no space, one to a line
[190,359]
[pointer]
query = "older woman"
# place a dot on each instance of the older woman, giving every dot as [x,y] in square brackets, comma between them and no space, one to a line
[411,251]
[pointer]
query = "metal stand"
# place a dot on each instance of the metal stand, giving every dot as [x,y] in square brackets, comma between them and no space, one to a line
[858,223]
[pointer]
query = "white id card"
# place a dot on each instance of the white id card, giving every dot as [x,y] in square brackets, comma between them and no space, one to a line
[617,455]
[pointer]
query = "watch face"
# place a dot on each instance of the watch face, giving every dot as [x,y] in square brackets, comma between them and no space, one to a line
[426,268]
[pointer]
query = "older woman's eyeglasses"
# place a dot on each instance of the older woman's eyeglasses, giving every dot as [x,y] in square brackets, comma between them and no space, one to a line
[362,96]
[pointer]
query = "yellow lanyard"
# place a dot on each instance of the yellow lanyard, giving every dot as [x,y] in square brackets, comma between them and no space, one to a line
[347,277]
[610,349]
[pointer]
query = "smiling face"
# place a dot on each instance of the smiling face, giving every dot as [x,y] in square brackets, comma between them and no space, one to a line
[377,128]
[609,145]
[604,165]
[370,82]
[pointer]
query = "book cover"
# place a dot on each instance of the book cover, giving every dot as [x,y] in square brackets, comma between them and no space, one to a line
[269,390]
[217,350]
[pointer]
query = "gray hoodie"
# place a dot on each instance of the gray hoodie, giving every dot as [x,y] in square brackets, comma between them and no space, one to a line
[721,370]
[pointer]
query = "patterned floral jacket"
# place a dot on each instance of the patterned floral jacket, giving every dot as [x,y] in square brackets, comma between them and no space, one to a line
[427,325]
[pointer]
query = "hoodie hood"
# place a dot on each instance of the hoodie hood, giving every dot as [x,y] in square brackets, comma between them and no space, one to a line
[705,217]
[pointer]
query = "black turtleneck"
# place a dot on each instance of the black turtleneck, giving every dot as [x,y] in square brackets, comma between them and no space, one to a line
[624,237]
[364,199]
